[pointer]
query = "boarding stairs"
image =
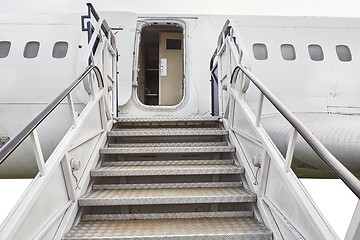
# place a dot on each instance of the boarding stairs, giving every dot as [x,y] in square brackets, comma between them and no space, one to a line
[168,178]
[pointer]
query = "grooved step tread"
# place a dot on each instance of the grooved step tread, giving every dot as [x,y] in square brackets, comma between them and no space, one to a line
[165,196]
[190,144]
[157,170]
[168,162]
[246,228]
[144,150]
[167,185]
[166,119]
[112,217]
[167,132]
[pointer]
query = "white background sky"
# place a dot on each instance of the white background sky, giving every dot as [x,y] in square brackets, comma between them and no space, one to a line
[336,201]
[339,8]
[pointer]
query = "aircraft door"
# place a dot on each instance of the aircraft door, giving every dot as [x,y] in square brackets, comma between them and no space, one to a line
[171,68]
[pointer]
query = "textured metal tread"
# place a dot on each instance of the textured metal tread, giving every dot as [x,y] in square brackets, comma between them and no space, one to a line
[167,132]
[147,150]
[190,144]
[167,162]
[246,228]
[158,170]
[167,119]
[165,196]
[168,185]
[188,215]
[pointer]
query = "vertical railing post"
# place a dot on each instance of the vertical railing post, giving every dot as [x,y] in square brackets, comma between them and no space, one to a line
[259,110]
[114,85]
[72,109]
[265,164]
[39,156]
[102,106]
[91,84]
[290,150]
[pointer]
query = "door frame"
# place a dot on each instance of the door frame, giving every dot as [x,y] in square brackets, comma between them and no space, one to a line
[156,22]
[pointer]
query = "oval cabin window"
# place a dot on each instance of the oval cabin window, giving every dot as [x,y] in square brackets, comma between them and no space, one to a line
[316,53]
[260,51]
[31,49]
[288,52]
[60,49]
[4,48]
[343,53]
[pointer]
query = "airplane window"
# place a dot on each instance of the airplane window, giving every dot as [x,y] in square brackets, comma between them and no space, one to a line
[316,52]
[260,51]
[60,49]
[288,52]
[343,53]
[31,49]
[4,48]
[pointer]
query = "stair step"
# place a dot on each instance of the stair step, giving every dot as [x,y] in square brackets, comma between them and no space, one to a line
[169,150]
[168,185]
[245,228]
[188,215]
[166,119]
[190,144]
[167,132]
[168,162]
[157,170]
[165,196]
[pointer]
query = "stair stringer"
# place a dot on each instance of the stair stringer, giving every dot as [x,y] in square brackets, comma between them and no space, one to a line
[48,207]
[275,207]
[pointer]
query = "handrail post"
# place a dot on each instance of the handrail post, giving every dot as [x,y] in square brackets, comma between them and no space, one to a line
[72,109]
[259,110]
[91,85]
[39,156]
[290,150]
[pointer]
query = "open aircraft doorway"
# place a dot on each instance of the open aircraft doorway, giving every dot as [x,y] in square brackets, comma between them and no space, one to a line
[161,70]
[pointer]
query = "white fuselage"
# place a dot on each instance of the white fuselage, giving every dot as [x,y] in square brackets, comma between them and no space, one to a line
[326,86]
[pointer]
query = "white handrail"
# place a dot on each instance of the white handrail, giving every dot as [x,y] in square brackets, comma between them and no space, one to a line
[340,170]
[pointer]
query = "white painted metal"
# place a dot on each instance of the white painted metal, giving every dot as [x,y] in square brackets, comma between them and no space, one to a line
[65,163]
[290,150]
[124,24]
[307,223]
[259,110]
[39,156]
[55,211]
[72,110]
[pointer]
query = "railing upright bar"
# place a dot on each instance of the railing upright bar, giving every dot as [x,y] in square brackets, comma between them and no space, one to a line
[72,109]
[114,88]
[290,150]
[39,156]
[259,110]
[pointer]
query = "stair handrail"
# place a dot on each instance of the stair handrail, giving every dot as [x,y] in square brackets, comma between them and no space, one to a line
[329,159]
[11,145]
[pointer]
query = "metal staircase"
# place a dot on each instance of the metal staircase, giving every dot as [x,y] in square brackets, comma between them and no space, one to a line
[168,179]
